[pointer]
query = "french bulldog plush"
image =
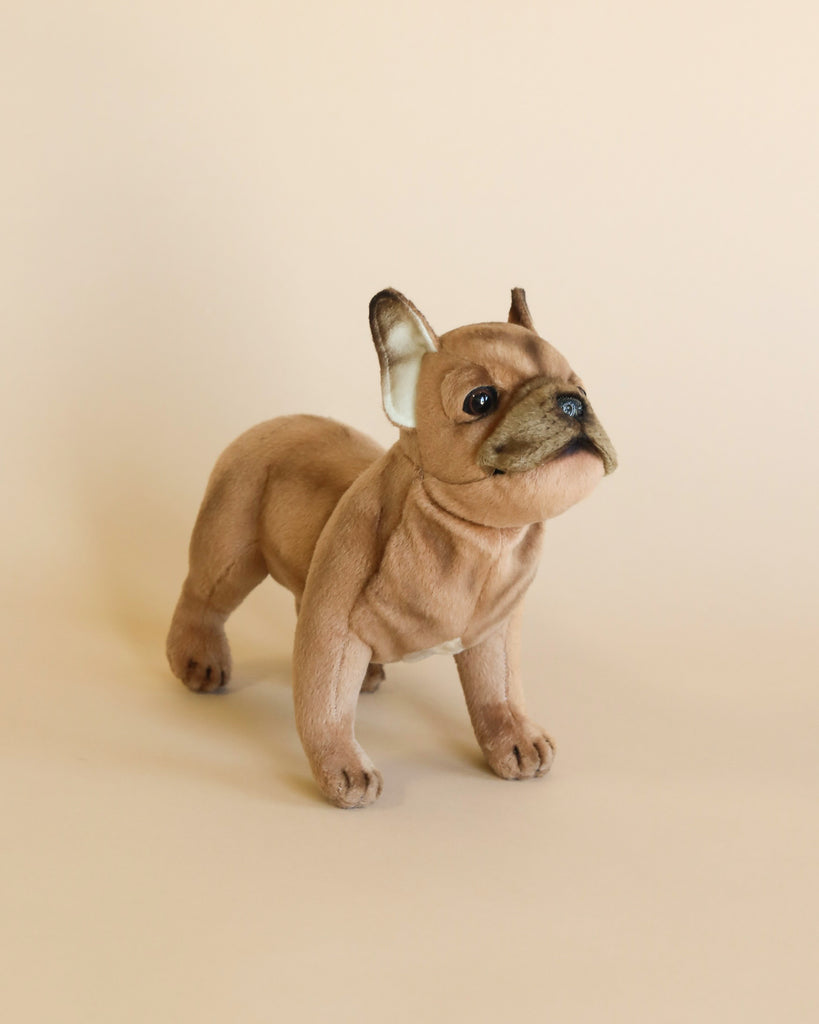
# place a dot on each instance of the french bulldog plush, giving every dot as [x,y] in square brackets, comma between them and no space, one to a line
[426,548]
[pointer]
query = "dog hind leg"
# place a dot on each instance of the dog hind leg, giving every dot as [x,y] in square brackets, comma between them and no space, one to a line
[226,563]
[198,649]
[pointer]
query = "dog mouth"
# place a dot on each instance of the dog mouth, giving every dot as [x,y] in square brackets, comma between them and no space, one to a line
[577,444]
[573,447]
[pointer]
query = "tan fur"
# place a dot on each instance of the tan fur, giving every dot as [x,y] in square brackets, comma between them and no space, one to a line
[392,555]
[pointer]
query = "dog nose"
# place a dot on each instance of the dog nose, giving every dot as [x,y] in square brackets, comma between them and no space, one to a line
[571,406]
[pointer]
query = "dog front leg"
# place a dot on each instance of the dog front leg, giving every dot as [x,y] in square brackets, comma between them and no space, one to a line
[330,665]
[514,746]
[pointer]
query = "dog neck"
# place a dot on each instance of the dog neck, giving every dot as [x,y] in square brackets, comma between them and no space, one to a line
[449,508]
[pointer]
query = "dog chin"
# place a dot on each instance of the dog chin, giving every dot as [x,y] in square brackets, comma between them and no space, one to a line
[508,500]
[565,480]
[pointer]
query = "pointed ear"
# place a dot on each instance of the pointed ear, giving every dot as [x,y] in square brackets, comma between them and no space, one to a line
[402,338]
[519,311]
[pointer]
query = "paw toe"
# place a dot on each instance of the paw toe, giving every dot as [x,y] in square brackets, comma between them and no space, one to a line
[352,786]
[205,676]
[526,756]
[546,752]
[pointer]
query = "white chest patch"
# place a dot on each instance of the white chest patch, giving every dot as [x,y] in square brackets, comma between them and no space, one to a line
[448,647]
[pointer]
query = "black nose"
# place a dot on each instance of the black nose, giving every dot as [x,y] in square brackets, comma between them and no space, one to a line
[571,406]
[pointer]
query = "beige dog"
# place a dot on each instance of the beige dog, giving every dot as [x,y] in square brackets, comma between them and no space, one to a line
[426,548]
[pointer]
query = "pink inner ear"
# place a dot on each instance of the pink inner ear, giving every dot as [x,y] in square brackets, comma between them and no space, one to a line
[402,338]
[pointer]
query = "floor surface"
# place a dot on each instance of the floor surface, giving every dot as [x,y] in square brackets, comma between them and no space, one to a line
[169,858]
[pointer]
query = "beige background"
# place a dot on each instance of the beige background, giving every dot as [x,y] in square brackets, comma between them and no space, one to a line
[198,201]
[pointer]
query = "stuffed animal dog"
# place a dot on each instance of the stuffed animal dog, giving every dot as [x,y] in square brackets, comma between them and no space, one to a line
[426,548]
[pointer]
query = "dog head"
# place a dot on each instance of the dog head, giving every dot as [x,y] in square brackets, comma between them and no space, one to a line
[493,416]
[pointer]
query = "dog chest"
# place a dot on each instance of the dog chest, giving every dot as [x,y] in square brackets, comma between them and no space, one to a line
[441,583]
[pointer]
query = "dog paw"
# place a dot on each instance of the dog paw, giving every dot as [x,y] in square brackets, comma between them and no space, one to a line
[522,750]
[373,679]
[199,655]
[350,780]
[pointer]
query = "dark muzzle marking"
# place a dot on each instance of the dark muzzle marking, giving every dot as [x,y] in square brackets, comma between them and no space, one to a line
[545,422]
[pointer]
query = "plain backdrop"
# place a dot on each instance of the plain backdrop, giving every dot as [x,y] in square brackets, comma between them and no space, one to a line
[198,200]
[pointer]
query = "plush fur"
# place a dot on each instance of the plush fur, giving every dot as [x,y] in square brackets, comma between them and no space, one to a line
[426,548]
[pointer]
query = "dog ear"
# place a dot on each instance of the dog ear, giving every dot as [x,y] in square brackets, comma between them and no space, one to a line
[402,338]
[519,311]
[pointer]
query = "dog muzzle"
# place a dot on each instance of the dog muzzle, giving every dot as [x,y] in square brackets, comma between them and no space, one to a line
[546,421]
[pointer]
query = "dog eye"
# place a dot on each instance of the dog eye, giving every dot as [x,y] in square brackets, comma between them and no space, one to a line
[481,401]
